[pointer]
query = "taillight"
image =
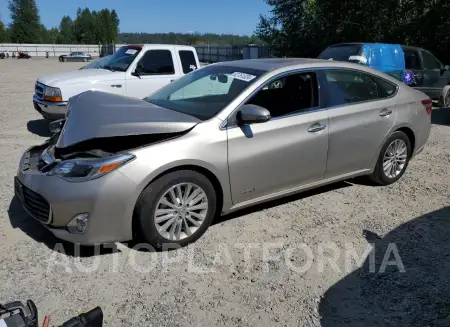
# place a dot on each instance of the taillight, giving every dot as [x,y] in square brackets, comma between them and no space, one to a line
[428,104]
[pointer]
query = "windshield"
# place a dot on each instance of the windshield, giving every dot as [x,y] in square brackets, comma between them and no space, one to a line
[341,52]
[96,63]
[205,92]
[121,59]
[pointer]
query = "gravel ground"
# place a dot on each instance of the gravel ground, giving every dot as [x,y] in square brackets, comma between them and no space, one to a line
[251,268]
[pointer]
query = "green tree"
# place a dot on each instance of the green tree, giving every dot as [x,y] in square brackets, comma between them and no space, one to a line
[25,26]
[3,33]
[84,27]
[305,27]
[66,34]
[291,28]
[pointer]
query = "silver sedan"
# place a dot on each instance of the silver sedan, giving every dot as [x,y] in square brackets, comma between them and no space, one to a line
[222,138]
[76,56]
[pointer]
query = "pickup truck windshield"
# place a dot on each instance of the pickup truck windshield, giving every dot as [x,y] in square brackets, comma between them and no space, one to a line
[205,92]
[121,59]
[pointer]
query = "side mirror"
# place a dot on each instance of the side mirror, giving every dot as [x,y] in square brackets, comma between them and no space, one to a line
[223,78]
[138,71]
[252,114]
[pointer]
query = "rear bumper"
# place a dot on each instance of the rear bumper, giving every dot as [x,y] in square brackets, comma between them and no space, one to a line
[50,110]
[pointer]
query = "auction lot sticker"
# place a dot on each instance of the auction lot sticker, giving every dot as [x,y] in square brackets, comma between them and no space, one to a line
[243,77]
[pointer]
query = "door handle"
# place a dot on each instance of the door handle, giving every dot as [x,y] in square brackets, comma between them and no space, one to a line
[317,127]
[385,112]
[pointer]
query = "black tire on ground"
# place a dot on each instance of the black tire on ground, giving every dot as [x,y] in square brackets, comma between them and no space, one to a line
[146,206]
[379,176]
[84,59]
[65,59]
[444,100]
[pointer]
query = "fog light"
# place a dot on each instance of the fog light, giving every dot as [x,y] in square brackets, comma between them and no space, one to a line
[78,225]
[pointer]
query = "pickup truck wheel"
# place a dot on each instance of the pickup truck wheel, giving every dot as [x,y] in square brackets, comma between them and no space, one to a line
[444,100]
[176,209]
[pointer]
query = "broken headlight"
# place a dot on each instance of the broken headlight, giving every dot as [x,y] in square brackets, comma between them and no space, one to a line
[80,170]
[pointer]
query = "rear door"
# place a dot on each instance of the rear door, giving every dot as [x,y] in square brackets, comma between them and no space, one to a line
[433,77]
[413,62]
[157,68]
[361,113]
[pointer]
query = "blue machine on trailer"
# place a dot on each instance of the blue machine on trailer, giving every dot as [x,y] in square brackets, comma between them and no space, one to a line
[388,58]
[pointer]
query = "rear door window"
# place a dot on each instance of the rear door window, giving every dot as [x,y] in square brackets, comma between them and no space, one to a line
[412,59]
[157,62]
[188,61]
[351,86]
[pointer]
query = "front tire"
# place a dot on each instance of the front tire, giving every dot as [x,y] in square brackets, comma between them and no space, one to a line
[393,159]
[65,59]
[176,209]
[444,101]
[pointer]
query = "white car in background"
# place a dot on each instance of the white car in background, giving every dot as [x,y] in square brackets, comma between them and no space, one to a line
[134,70]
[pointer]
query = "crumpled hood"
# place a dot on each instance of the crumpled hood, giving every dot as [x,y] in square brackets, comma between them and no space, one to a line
[94,114]
[80,76]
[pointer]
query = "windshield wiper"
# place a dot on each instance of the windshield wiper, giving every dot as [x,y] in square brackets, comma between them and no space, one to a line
[108,67]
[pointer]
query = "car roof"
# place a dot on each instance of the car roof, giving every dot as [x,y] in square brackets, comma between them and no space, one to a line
[268,64]
[291,63]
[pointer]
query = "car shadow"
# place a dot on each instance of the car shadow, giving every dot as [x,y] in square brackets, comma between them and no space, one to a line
[39,127]
[441,116]
[418,296]
[281,201]
[19,218]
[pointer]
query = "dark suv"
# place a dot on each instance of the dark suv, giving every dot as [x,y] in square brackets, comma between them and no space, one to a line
[431,76]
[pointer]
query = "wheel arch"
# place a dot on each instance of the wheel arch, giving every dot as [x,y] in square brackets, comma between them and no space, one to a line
[410,134]
[218,188]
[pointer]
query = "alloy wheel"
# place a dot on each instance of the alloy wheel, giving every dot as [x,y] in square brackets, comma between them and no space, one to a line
[395,157]
[181,211]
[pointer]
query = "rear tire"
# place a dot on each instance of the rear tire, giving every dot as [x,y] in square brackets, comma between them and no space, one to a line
[393,159]
[188,229]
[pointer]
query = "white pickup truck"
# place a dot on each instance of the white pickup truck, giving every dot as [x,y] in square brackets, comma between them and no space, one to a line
[133,70]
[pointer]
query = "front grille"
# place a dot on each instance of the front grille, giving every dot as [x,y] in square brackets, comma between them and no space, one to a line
[39,90]
[34,203]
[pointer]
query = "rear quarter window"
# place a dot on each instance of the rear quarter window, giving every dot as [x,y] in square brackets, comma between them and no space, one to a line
[188,61]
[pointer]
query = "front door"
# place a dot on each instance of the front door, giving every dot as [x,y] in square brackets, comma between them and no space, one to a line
[289,150]
[154,70]
[361,114]
[434,79]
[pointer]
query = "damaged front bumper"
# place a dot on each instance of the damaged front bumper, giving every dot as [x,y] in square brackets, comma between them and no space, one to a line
[108,201]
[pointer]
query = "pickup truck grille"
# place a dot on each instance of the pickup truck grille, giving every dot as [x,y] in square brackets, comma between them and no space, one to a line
[39,90]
